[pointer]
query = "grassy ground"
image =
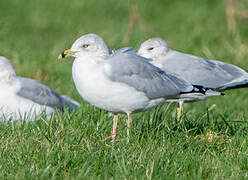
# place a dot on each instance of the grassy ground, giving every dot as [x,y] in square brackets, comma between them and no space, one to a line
[210,143]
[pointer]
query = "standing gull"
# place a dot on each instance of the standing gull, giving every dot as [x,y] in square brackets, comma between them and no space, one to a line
[23,98]
[122,82]
[196,70]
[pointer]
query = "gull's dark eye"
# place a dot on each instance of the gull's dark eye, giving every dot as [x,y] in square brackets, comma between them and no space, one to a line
[85,45]
[151,48]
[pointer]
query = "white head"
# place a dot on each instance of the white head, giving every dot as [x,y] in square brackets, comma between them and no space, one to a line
[7,71]
[89,44]
[154,48]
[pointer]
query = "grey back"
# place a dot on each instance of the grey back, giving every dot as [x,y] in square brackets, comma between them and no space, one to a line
[133,70]
[201,71]
[39,93]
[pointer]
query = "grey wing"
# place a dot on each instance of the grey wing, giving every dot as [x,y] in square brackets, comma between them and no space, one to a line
[200,71]
[72,104]
[39,93]
[123,50]
[238,77]
[134,71]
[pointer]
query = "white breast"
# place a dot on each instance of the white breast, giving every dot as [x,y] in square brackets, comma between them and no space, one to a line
[94,86]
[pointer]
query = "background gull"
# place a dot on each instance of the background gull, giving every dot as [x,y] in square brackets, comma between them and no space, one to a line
[121,81]
[196,70]
[27,98]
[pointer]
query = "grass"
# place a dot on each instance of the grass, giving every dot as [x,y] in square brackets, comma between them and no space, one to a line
[210,143]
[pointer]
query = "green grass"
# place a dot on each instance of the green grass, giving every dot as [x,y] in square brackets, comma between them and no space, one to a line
[208,144]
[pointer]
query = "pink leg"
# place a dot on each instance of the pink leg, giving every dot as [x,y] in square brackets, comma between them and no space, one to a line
[113,131]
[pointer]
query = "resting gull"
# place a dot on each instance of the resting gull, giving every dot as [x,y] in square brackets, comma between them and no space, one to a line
[122,82]
[210,73]
[23,98]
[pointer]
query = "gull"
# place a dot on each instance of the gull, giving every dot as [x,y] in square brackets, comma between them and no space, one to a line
[23,98]
[210,73]
[121,81]
[209,92]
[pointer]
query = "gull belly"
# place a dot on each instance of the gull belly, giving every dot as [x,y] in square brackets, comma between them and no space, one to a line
[93,84]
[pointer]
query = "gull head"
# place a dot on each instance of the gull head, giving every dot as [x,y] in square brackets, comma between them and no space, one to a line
[154,48]
[7,71]
[87,45]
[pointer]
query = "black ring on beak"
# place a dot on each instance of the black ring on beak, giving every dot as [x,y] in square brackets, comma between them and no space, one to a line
[63,54]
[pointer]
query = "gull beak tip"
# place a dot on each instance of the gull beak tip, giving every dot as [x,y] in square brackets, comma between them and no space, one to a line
[66,53]
[61,55]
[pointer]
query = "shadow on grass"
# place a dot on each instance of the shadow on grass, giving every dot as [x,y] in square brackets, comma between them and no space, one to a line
[160,120]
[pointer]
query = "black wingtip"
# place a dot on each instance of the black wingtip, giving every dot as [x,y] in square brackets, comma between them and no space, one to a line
[233,86]
[200,89]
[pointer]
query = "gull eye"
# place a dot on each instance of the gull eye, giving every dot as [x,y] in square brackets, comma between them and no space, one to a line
[85,45]
[151,48]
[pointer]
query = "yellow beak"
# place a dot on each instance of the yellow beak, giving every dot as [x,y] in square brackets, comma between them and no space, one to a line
[66,53]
